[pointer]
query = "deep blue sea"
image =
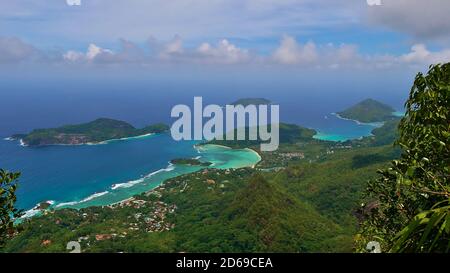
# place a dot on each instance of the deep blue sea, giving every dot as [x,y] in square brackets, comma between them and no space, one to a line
[70,174]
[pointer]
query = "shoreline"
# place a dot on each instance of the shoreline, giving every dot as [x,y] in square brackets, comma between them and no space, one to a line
[103,142]
[247,149]
[121,187]
[373,124]
[342,138]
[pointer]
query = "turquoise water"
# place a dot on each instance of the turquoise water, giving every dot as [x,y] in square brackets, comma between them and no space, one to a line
[92,175]
[399,113]
[335,128]
[221,157]
[95,175]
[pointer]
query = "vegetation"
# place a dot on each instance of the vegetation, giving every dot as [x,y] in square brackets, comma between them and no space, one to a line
[368,111]
[295,204]
[387,133]
[409,209]
[8,211]
[289,133]
[304,197]
[251,101]
[99,130]
[189,161]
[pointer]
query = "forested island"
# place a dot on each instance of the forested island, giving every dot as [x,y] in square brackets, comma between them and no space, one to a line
[306,193]
[189,161]
[251,101]
[99,130]
[308,196]
[367,111]
[289,133]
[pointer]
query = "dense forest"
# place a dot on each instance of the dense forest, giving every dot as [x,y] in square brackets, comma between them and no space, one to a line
[308,196]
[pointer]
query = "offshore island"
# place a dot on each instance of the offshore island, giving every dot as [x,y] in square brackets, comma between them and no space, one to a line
[94,132]
[368,111]
[308,192]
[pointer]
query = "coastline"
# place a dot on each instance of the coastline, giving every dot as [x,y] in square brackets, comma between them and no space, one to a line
[214,145]
[342,137]
[373,124]
[119,192]
[257,154]
[104,142]
[226,147]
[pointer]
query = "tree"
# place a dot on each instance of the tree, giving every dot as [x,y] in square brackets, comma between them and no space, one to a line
[8,211]
[410,208]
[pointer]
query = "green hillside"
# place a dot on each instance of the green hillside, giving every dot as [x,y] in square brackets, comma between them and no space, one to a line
[304,207]
[289,133]
[92,132]
[367,111]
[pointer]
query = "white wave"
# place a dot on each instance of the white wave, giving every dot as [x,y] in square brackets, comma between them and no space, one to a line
[197,148]
[73,203]
[127,184]
[36,210]
[8,139]
[22,143]
[30,213]
[89,198]
[123,138]
[131,183]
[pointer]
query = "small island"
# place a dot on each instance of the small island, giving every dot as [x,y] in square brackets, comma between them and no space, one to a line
[288,133]
[251,101]
[189,162]
[97,131]
[367,111]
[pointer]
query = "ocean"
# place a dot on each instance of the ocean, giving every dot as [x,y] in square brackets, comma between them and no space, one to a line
[87,175]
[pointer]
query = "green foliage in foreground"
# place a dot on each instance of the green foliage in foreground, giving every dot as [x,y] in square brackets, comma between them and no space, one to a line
[368,110]
[410,211]
[8,211]
[303,207]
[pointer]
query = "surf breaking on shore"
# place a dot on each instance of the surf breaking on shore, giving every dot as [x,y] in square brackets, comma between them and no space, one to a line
[121,191]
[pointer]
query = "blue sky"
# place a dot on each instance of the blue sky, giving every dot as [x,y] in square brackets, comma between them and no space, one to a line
[312,34]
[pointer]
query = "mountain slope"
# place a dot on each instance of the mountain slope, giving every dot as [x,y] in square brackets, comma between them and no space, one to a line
[367,111]
[92,132]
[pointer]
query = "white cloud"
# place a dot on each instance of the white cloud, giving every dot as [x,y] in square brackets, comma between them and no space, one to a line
[421,55]
[173,47]
[104,20]
[93,52]
[423,19]
[290,52]
[224,52]
[13,50]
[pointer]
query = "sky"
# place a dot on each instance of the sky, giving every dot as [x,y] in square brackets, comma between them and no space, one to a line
[86,36]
